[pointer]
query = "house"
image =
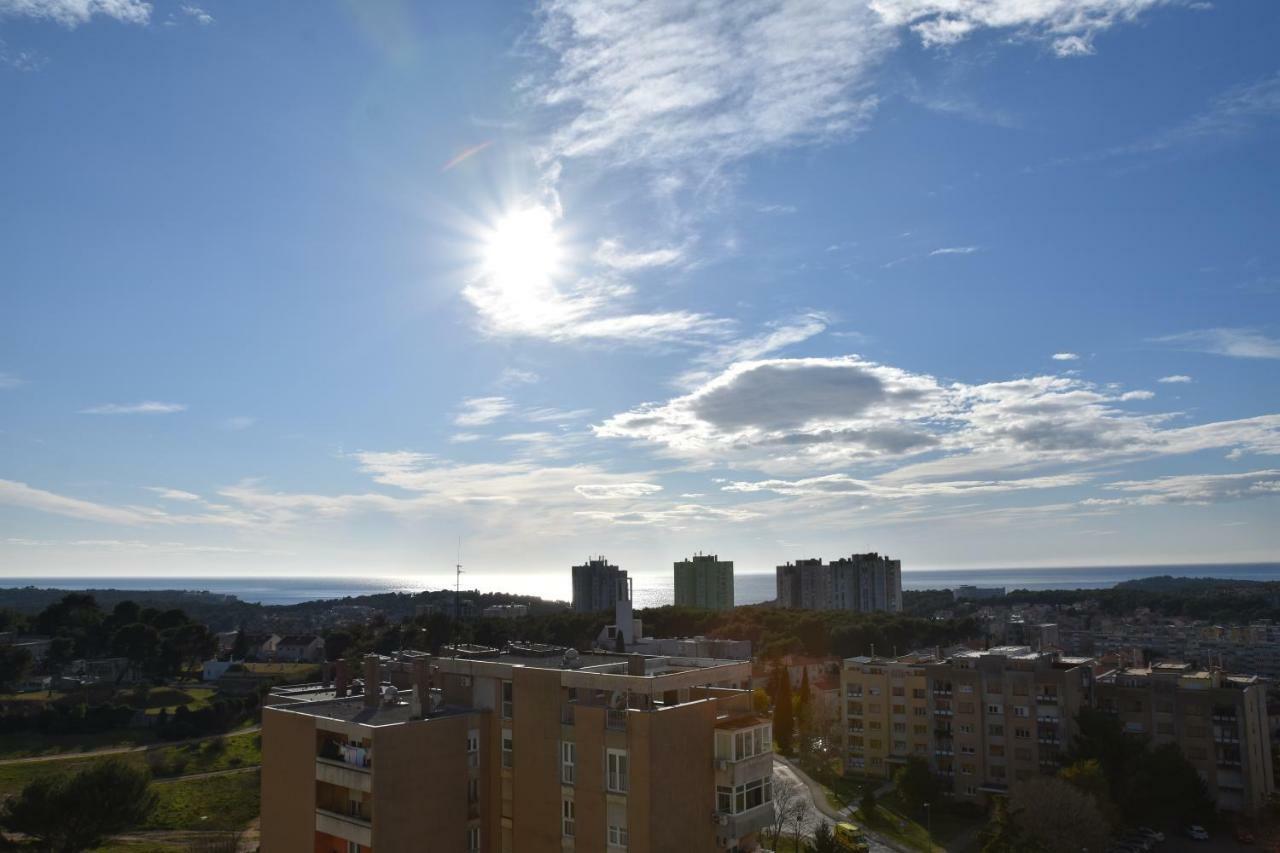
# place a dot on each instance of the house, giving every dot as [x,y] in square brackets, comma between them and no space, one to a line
[299,648]
[261,646]
[215,669]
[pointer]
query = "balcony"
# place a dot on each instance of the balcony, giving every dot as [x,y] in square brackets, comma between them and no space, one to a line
[730,827]
[1046,699]
[343,775]
[730,774]
[615,719]
[355,828]
[566,715]
[943,712]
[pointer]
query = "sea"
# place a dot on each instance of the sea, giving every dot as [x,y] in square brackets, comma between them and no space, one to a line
[649,590]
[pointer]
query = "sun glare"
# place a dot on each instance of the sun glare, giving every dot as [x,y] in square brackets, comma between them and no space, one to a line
[522,253]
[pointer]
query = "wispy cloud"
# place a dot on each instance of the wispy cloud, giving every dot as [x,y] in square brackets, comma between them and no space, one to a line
[9,381]
[612,254]
[1065,356]
[199,15]
[148,407]
[954,250]
[174,494]
[1195,489]
[478,411]
[1239,343]
[21,495]
[1235,113]
[72,13]
[516,376]
[614,491]
[1175,379]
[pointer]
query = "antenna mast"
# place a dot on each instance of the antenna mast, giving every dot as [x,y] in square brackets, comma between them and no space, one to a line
[457,589]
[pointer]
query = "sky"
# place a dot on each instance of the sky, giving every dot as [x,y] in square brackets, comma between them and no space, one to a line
[354,288]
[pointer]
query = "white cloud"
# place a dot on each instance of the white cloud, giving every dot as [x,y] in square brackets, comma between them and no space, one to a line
[1239,343]
[1176,378]
[805,414]
[1137,395]
[612,254]
[1065,356]
[174,494]
[72,13]
[954,250]
[670,83]
[516,376]
[1196,488]
[613,491]
[200,15]
[676,517]
[780,335]
[22,495]
[1069,25]
[148,407]
[478,411]
[843,485]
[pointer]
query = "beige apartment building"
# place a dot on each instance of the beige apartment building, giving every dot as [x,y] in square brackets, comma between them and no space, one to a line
[886,712]
[1004,715]
[1218,720]
[534,749]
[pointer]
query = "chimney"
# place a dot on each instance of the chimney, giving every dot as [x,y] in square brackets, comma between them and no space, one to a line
[372,682]
[635,664]
[326,674]
[341,677]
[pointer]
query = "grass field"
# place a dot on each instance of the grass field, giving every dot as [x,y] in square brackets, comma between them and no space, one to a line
[226,753]
[215,802]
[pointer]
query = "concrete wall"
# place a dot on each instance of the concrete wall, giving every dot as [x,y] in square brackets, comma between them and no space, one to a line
[536,730]
[288,782]
[673,779]
[419,785]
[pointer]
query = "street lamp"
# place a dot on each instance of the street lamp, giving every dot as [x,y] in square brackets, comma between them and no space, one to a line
[928,816]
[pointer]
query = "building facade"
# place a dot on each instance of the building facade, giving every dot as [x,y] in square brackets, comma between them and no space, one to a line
[538,750]
[595,585]
[704,581]
[862,582]
[1219,721]
[885,712]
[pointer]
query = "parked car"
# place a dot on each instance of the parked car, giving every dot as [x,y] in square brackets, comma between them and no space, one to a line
[1196,832]
[1139,840]
[1153,834]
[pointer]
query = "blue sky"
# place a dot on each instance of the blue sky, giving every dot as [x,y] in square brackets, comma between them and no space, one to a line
[326,288]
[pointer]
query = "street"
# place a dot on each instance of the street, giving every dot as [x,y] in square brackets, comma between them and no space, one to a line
[812,815]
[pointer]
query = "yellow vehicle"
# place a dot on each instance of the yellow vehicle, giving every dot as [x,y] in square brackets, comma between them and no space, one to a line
[849,837]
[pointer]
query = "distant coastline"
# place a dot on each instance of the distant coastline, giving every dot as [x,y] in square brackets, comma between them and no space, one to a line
[651,590]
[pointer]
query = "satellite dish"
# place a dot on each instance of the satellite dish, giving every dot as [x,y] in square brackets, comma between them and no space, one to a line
[618,701]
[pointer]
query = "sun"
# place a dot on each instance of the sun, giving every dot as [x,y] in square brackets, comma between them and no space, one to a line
[521,254]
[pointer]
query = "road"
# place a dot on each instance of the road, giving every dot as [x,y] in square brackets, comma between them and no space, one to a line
[816,808]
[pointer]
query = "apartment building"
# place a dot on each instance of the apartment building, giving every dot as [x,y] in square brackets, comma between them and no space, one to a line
[1003,715]
[885,713]
[862,582]
[596,585]
[533,749]
[705,581]
[1219,721]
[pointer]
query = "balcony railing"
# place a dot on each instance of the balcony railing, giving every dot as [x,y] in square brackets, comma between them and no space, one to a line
[615,719]
[1047,698]
[363,819]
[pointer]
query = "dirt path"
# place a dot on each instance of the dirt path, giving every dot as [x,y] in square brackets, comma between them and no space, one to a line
[123,750]
[166,780]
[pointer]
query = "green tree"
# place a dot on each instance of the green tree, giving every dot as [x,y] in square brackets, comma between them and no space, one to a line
[867,804]
[240,645]
[1001,834]
[760,700]
[1087,775]
[916,784]
[784,721]
[69,814]
[1056,817]
[140,643]
[824,840]
[14,665]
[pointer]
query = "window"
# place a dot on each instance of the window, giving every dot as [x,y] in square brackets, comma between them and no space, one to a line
[995,710]
[566,818]
[920,711]
[616,778]
[473,748]
[1020,711]
[473,790]
[900,728]
[724,799]
[899,690]
[920,730]
[473,840]
[568,758]
[617,836]
[966,688]
[1022,734]
[353,847]
[508,700]
[966,728]
[508,749]
[995,730]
